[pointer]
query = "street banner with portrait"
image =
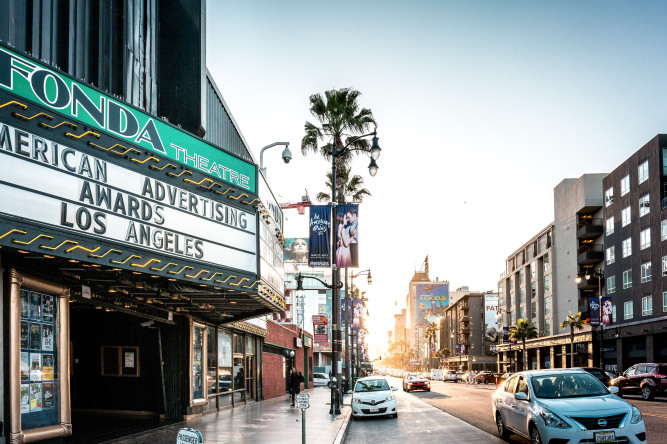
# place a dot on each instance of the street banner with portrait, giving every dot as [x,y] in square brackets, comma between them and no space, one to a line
[296,250]
[459,349]
[319,244]
[594,306]
[320,328]
[607,310]
[506,335]
[347,236]
[432,299]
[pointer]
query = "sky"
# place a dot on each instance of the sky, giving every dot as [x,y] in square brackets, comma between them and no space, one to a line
[483,107]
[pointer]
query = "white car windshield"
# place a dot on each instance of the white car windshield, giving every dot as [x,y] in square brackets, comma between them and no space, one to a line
[574,385]
[371,385]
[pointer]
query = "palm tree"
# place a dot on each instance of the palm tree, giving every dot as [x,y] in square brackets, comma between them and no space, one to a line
[340,119]
[352,188]
[430,335]
[520,332]
[574,323]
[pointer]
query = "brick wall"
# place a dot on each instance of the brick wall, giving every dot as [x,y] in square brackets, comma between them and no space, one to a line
[272,364]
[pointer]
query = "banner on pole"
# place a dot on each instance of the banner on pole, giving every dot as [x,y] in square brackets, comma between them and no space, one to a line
[347,236]
[319,251]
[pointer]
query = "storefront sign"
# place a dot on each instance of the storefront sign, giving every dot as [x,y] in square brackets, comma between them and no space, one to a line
[37,83]
[74,191]
[189,436]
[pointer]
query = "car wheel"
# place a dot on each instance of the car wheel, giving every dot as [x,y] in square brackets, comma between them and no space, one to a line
[535,437]
[647,393]
[486,381]
[395,415]
[502,431]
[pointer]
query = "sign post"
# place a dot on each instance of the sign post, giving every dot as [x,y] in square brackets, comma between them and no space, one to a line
[189,436]
[303,402]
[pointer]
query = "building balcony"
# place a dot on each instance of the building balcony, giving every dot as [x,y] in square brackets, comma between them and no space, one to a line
[465,318]
[464,306]
[589,228]
[590,254]
[464,330]
[590,284]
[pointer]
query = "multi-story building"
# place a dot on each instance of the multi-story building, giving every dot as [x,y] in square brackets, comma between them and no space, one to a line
[539,279]
[635,240]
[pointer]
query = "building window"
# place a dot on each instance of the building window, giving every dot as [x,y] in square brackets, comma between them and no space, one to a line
[626,247]
[625,185]
[663,230]
[613,313]
[611,255]
[644,205]
[547,306]
[627,278]
[664,265]
[627,310]
[664,301]
[625,219]
[521,276]
[644,238]
[646,272]
[545,260]
[611,284]
[647,305]
[610,225]
[547,327]
[643,171]
[522,295]
[546,283]
[533,266]
[608,197]
[533,289]
[522,312]
[533,310]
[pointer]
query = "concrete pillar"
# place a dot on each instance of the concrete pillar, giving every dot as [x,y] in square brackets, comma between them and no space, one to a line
[649,348]
[620,365]
[590,353]
[552,356]
[538,352]
[564,361]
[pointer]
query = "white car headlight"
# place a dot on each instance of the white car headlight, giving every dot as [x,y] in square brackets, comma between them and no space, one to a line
[636,415]
[390,397]
[355,399]
[553,420]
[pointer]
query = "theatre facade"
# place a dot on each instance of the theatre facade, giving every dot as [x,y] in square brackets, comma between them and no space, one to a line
[138,259]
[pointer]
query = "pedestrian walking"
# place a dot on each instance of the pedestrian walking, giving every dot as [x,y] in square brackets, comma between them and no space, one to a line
[296,378]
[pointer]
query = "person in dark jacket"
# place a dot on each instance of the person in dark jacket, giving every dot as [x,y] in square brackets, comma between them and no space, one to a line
[296,378]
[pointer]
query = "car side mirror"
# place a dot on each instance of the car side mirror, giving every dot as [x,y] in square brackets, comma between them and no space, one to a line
[395,389]
[521,396]
[614,390]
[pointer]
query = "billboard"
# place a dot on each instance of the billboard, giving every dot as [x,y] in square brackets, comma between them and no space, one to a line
[432,299]
[295,250]
[319,244]
[347,236]
[490,320]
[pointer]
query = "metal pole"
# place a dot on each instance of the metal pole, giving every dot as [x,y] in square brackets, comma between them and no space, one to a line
[335,312]
[600,277]
[347,327]
[303,426]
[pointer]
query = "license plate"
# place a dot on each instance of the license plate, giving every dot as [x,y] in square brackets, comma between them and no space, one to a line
[605,436]
[375,409]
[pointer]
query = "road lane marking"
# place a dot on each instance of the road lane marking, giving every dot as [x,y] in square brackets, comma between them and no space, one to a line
[653,414]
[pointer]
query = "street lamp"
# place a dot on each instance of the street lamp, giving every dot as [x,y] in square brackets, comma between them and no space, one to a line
[348,321]
[374,152]
[287,155]
[599,274]
[334,289]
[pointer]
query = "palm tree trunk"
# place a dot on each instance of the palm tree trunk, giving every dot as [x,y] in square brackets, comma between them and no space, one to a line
[572,347]
[525,363]
[341,167]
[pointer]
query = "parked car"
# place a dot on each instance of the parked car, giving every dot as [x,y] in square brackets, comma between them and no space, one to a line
[598,373]
[504,377]
[564,405]
[321,379]
[437,374]
[451,375]
[485,378]
[413,381]
[373,396]
[648,380]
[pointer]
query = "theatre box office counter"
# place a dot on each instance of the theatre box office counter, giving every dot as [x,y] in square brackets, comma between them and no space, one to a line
[120,232]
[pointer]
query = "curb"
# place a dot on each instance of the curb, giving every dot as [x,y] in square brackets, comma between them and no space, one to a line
[340,436]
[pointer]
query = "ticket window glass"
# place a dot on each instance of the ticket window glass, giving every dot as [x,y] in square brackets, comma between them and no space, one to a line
[239,370]
[225,376]
[40,381]
[197,364]
[250,367]
[211,364]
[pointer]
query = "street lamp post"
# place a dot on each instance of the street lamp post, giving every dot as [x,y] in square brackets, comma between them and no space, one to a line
[334,287]
[335,312]
[599,274]
[348,321]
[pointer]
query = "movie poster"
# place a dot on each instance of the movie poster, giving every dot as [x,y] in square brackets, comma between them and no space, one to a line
[319,242]
[35,336]
[25,304]
[607,310]
[25,398]
[432,299]
[47,308]
[47,337]
[47,366]
[594,310]
[347,236]
[35,366]
[25,335]
[296,250]
[35,306]
[25,366]
[48,396]
[36,397]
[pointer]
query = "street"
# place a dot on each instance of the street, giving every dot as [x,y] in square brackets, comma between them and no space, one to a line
[471,404]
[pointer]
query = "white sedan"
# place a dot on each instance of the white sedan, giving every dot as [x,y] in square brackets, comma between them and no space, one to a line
[373,396]
[564,405]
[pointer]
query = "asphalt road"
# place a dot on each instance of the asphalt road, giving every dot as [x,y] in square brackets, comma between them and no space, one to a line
[472,404]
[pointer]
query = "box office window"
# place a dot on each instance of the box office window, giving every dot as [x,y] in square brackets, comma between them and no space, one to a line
[224,361]
[120,361]
[197,364]
[40,381]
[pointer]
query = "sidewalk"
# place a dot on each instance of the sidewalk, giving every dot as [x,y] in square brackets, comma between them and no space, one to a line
[270,421]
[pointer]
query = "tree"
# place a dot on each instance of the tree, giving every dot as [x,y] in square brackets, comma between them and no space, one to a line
[574,323]
[341,120]
[352,188]
[430,334]
[520,332]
